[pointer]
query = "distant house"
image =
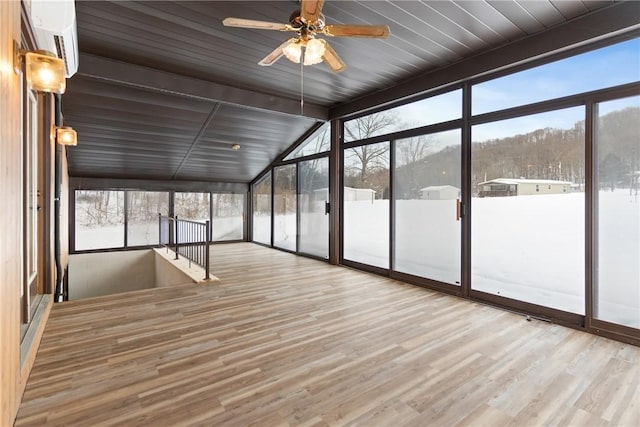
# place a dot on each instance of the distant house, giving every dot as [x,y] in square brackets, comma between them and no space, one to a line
[358,194]
[350,194]
[502,187]
[440,192]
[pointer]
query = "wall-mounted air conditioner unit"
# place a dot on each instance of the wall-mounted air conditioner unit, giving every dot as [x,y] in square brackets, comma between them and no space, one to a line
[54,25]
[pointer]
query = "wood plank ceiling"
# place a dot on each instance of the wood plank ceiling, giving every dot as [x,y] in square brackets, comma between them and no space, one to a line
[164,90]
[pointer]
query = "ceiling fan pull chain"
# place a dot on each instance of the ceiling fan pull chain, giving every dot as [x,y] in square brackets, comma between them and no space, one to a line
[302,82]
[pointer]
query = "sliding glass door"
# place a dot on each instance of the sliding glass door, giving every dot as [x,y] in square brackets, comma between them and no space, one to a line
[284,207]
[261,201]
[427,206]
[366,204]
[617,212]
[528,176]
[313,212]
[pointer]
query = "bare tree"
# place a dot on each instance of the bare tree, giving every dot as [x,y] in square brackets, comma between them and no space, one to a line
[365,161]
[371,125]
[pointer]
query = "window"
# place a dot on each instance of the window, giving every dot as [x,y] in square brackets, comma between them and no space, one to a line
[313,196]
[99,219]
[192,206]
[143,208]
[284,207]
[319,142]
[439,108]
[366,204]
[427,191]
[514,234]
[610,66]
[29,288]
[228,217]
[262,210]
[617,212]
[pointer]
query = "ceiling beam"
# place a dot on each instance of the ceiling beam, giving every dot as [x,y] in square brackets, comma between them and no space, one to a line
[126,74]
[92,183]
[203,128]
[613,20]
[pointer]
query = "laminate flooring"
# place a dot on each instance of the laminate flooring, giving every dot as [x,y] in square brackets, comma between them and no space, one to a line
[286,340]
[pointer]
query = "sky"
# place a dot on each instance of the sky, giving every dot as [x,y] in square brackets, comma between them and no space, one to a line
[605,67]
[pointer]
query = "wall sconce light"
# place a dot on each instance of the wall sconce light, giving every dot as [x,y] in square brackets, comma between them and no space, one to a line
[65,135]
[45,72]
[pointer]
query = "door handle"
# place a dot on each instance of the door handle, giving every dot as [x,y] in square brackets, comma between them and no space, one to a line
[458,209]
[327,208]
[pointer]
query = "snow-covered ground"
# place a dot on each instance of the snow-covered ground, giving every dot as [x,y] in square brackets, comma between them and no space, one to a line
[143,233]
[618,271]
[529,248]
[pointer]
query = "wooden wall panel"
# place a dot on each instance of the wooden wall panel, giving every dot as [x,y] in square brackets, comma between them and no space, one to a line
[10,215]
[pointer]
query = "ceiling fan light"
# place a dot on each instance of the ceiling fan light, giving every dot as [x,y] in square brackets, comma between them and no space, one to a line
[293,51]
[314,51]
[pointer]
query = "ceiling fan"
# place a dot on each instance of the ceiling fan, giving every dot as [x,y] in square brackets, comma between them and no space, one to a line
[304,46]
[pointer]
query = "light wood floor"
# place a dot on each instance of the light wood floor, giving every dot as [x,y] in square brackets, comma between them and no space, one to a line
[285,340]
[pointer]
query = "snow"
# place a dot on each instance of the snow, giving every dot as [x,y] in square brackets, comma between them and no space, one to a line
[618,271]
[262,228]
[143,233]
[529,248]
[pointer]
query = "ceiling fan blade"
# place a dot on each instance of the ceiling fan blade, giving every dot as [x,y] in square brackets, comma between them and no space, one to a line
[372,31]
[258,25]
[310,10]
[332,59]
[275,55]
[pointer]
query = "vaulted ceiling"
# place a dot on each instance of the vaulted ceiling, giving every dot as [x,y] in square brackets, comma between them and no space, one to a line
[164,89]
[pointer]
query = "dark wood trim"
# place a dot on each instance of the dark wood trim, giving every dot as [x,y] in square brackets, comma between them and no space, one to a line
[246,216]
[466,192]
[615,331]
[126,218]
[297,175]
[125,74]
[604,40]
[590,219]
[423,282]
[272,195]
[303,159]
[365,267]
[335,203]
[560,317]
[306,255]
[604,26]
[72,220]
[407,133]
[392,203]
[211,216]
[88,183]
[416,97]
[554,104]
[298,142]
[279,161]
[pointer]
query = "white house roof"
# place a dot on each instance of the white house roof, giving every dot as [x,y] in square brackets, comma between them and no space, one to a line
[361,189]
[525,181]
[439,187]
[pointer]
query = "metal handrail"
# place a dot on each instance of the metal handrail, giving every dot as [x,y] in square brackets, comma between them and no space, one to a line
[188,238]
